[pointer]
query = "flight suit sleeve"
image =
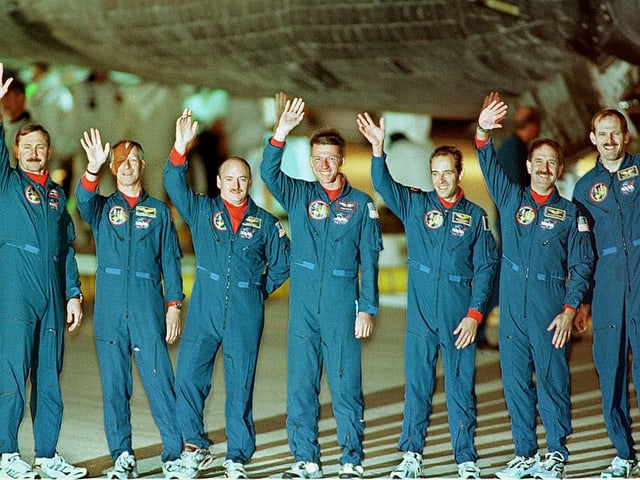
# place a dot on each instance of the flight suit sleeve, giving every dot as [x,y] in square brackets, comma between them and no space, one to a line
[89,205]
[485,264]
[281,186]
[580,262]
[175,184]
[171,255]
[278,257]
[5,166]
[500,187]
[396,196]
[370,247]
[72,274]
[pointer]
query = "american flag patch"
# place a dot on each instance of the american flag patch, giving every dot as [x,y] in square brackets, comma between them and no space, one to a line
[373,212]
[583,224]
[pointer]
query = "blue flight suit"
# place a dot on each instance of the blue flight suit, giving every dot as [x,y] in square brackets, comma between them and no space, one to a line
[451,263]
[38,276]
[234,274]
[547,262]
[138,271]
[611,201]
[331,241]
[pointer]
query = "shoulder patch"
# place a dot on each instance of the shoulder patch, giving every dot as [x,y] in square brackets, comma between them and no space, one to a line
[373,212]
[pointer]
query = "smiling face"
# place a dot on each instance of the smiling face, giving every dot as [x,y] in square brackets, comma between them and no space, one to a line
[32,151]
[326,161]
[234,181]
[445,176]
[610,138]
[545,167]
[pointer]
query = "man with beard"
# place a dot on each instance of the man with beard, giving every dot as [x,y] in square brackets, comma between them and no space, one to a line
[138,300]
[38,283]
[609,195]
[547,263]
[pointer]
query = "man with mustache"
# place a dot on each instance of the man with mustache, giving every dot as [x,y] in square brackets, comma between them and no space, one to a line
[242,255]
[138,299]
[451,262]
[547,262]
[38,284]
[334,293]
[609,195]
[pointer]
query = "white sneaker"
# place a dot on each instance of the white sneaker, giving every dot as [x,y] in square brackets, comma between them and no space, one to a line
[349,470]
[125,467]
[177,469]
[410,467]
[303,470]
[234,469]
[57,467]
[468,470]
[620,468]
[520,467]
[552,467]
[197,458]
[12,466]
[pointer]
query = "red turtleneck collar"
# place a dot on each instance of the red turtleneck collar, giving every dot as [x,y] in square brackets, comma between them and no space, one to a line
[236,212]
[40,179]
[449,205]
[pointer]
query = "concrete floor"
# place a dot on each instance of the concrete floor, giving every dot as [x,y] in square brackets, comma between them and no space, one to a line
[82,439]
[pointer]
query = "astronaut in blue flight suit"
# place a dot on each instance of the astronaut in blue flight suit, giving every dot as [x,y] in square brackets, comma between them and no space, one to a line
[335,233]
[547,263]
[138,272]
[39,287]
[452,259]
[609,195]
[242,255]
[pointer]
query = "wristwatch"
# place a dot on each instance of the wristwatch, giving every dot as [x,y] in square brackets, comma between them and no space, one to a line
[176,303]
[79,297]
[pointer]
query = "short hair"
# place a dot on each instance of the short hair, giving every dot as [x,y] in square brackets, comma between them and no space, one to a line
[125,142]
[328,136]
[550,142]
[17,86]
[606,113]
[235,158]
[451,151]
[31,128]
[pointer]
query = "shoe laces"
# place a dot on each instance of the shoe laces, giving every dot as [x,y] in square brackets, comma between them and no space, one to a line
[621,463]
[125,462]
[234,469]
[14,466]
[553,461]
[468,470]
[520,460]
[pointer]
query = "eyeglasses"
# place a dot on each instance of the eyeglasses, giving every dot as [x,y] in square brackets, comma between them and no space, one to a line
[320,160]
